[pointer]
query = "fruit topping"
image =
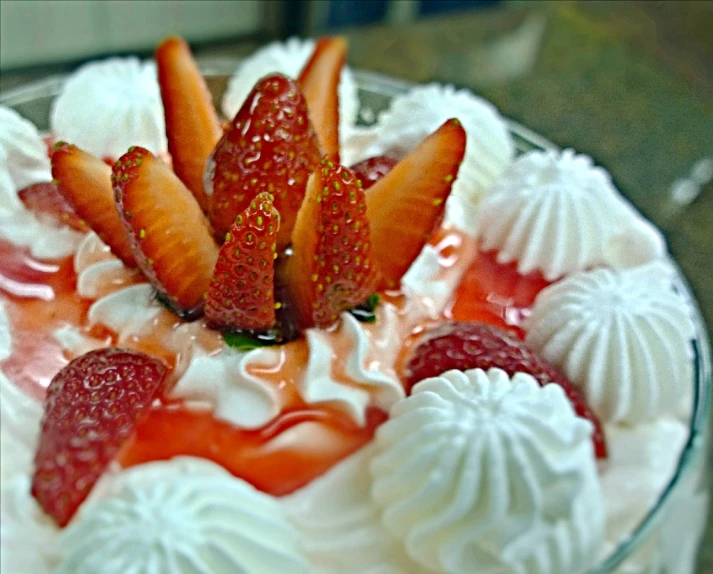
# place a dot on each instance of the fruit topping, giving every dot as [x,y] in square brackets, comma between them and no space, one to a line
[496,293]
[241,294]
[463,346]
[331,268]
[169,235]
[192,125]
[405,205]
[93,406]
[46,199]
[373,169]
[269,146]
[319,80]
[85,181]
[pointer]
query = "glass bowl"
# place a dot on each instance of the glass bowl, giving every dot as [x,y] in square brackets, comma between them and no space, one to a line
[648,549]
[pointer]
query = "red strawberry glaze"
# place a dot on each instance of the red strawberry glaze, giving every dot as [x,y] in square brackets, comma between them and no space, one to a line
[296,447]
[495,293]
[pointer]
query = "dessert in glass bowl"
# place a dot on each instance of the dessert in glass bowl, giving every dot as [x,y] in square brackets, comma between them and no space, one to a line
[277,340]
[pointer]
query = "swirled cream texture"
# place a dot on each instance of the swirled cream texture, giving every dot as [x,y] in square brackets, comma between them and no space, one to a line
[170,518]
[105,107]
[288,58]
[624,336]
[558,213]
[489,147]
[477,472]
[25,152]
[23,161]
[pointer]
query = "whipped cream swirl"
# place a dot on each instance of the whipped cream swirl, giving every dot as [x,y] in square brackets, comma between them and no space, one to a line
[341,525]
[478,472]
[489,148]
[25,152]
[623,336]
[182,521]
[105,107]
[288,58]
[556,212]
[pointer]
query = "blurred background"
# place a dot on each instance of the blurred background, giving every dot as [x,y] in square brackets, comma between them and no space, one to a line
[630,83]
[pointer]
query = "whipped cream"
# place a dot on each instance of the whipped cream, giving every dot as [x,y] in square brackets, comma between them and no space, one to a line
[556,212]
[45,237]
[224,382]
[108,106]
[624,336]
[28,537]
[180,517]
[20,418]
[341,525]
[477,472]
[23,151]
[489,148]
[288,58]
[368,365]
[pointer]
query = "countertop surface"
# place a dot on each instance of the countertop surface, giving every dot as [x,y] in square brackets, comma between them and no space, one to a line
[630,83]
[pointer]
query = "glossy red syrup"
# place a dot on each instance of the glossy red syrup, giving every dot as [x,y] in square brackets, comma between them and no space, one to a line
[496,293]
[296,447]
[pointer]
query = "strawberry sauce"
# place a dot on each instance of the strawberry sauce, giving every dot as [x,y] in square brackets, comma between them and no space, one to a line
[495,293]
[304,440]
[297,446]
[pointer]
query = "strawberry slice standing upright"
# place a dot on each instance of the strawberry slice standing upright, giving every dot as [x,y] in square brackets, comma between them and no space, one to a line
[242,294]
[85,181]
[331,268]
[45,198]
[93,405]
[405,205]
[319,80]
[169,235]
[270,146]
[192,125]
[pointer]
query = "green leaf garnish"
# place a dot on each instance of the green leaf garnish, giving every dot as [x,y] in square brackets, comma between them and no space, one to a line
[246,340]
[365,312]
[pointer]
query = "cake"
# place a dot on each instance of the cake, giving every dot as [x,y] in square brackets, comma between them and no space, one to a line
[223,350]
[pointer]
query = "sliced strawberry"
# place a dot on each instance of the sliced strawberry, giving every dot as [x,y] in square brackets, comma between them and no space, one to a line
[319,81]
[85,181]
[373,169]
[93,406]
[330,270]
[269,146]
[405,205]
[192,125]
[169,235]
[462,346]
[242,294]
[45,198]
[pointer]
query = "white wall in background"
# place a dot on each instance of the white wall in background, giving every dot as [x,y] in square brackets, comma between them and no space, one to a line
[45,31]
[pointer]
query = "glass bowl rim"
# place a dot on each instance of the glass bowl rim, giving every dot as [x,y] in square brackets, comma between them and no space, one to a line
[525,139]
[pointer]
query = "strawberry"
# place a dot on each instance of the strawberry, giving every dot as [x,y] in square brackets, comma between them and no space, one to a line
[45,198]
[413,194]
[330,270]
[462,346]
[269,146]
[169,235]
[93,405]
[85,181]
[241,294]
[319,80]
[373,169]
[192,125]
